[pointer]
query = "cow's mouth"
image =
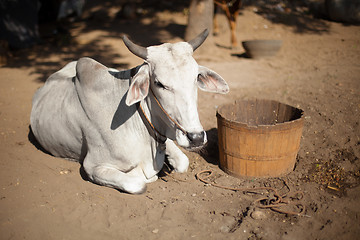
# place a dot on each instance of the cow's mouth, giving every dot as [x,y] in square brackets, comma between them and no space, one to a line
[195,148]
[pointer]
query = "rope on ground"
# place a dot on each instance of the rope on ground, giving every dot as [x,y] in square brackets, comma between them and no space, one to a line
[169,175]
[274,202]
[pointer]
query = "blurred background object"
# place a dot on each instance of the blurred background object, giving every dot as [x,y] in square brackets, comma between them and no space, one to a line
[347,11]
[19,19]
[231,9]
[19,22]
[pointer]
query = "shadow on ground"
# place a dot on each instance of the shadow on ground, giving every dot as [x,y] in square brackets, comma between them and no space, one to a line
[211,151]
[58,39]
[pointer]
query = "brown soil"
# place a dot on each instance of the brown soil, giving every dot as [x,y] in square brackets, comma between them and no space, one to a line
[317,70]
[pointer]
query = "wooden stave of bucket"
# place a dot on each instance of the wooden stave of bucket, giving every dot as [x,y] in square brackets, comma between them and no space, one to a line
[262,150]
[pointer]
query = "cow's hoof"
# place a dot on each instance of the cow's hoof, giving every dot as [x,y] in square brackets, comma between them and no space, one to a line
[136,189]
[182,164]
[179,162]
[153,179]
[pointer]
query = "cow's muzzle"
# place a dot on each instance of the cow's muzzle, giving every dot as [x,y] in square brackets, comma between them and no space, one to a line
[191,141]
[196,139]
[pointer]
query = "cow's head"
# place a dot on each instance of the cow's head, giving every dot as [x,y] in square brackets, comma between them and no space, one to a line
[168,82]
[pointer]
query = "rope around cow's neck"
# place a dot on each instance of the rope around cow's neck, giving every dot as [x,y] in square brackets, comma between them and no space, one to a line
[168,115]
[161,138]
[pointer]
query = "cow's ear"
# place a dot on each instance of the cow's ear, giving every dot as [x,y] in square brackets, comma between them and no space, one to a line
[210,81]
[139,87]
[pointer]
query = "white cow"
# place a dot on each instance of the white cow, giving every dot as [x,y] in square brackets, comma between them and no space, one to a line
[122,124]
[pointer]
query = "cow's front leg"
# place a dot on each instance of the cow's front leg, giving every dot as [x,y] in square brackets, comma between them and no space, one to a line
[177,159]
[132,181]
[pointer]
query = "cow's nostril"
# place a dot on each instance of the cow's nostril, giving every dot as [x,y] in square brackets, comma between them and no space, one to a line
[196,138]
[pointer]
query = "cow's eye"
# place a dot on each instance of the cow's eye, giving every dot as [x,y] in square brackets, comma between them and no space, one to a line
[159,84]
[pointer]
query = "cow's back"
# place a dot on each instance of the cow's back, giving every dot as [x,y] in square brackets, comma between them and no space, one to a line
[56,114]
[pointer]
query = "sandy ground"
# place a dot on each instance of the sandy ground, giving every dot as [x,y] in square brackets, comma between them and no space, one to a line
[317,70]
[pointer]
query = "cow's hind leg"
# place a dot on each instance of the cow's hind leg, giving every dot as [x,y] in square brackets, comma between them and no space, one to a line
[177,159]
[132,182]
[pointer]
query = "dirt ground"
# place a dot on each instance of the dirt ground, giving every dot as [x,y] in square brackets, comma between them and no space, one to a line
[317,70]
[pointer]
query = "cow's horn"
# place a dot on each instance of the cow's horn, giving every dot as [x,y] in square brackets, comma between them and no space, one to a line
[196,42]
[139,51]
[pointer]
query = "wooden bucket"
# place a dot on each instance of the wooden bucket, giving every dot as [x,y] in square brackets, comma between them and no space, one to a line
[259,138]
